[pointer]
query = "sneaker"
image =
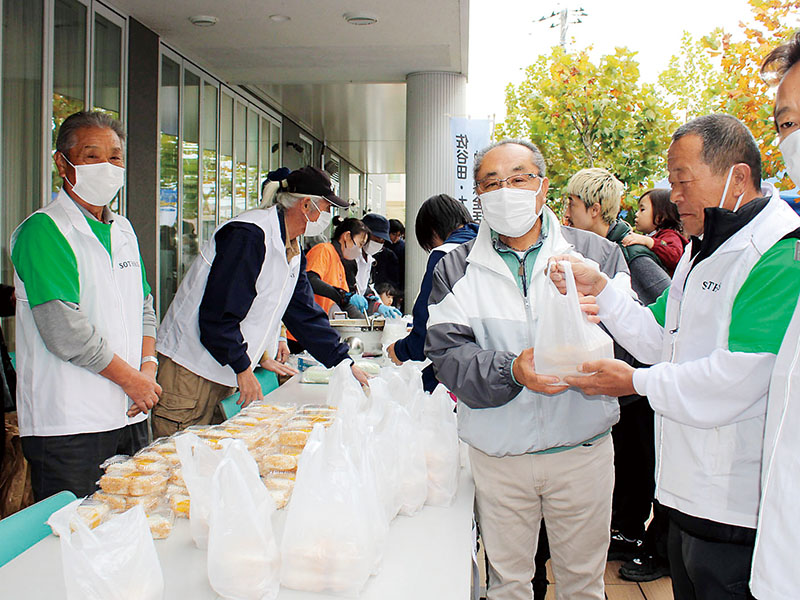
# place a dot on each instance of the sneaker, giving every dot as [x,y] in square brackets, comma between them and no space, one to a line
[644,568]
[622,548]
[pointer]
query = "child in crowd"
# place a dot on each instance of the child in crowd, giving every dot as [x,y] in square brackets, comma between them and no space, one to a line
[387,293]
[659,220]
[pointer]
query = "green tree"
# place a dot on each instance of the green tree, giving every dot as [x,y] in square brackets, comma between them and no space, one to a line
[719,73]
[581,114]
[691,83]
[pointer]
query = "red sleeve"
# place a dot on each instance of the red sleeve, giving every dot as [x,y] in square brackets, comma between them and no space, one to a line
[668,247]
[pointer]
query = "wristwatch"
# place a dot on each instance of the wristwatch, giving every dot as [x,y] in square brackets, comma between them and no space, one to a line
[147,359]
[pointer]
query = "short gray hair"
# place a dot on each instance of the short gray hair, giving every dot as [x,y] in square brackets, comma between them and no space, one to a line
[67,133]
[538,159]
[726,142]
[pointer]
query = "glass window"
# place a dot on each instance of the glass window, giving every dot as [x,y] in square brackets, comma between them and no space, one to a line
[108,73]
[22,43]
[168,193]
[264,141]
[107,66]
[252,158]
[209,137]
[69,68]
[354,191]
[191,165]
[226,159]
[240,170]
[275,149]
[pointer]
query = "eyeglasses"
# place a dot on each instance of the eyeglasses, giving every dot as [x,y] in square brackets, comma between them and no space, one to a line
[518,180]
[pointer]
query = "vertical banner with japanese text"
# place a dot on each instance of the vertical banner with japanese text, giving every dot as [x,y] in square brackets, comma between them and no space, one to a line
[468,136]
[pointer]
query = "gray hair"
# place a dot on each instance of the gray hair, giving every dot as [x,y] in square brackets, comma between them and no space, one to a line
[67,133]
[286,199]
[726,142]
[538,159]
[272,196]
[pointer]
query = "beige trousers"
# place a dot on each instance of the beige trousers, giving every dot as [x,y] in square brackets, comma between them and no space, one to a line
[186,399]
[572,491]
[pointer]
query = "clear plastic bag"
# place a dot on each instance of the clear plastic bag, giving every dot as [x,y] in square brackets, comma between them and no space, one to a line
[115,561]
[565,338]
[243,558]
[329,542]
[440,436]
[402,447]
[198,465]
[345,392]
[393,329]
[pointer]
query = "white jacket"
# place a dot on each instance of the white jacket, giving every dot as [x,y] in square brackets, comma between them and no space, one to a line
[710,403]
[480,321]
[55,397]
[179,334]
[775,570]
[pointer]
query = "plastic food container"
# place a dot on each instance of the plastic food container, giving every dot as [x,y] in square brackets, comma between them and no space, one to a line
[143,484]
[161,521]
[148,502]
[113,501]
[118,464]
[177,478]
[151,462]
[115,483]
[180,503]
[293,437]
[280,497]
[92,512]
[279,462]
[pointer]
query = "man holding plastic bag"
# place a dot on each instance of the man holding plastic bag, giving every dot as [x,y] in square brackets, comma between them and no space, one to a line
[537,449]
[714,334]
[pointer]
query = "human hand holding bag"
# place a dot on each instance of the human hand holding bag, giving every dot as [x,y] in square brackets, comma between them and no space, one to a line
[565,338]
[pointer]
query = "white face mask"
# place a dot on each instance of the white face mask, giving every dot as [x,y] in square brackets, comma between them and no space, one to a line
[320,225]
[511,211]
[790,148]
[97,183]
[373,247]
[725,192]
[351,252]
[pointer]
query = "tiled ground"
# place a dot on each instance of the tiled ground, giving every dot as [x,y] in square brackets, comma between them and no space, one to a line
[619,589]
[616,587]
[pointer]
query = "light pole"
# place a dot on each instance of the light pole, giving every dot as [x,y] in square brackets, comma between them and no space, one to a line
[563,17]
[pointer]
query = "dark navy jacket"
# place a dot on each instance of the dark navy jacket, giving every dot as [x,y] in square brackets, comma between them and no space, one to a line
[412,347]
[231,289]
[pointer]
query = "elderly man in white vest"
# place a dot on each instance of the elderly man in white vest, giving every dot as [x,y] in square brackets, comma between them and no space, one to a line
[712,338]
[226,317]
[85,320]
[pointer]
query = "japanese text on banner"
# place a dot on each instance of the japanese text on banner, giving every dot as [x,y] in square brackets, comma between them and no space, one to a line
[468,136]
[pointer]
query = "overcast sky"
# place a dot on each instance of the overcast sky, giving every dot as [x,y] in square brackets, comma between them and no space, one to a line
[505,37]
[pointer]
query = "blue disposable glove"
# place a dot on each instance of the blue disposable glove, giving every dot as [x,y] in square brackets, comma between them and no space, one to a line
[388,312]
[359,302]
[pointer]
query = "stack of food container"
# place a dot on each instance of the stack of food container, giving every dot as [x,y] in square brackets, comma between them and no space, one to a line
[275,436]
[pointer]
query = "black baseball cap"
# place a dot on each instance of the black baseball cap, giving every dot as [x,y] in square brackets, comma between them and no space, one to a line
[378,225]
[314,182]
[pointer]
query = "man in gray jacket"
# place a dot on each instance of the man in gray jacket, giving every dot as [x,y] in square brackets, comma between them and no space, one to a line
[537,449]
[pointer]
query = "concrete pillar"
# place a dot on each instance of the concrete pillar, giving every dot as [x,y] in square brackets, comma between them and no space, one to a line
[431,99]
